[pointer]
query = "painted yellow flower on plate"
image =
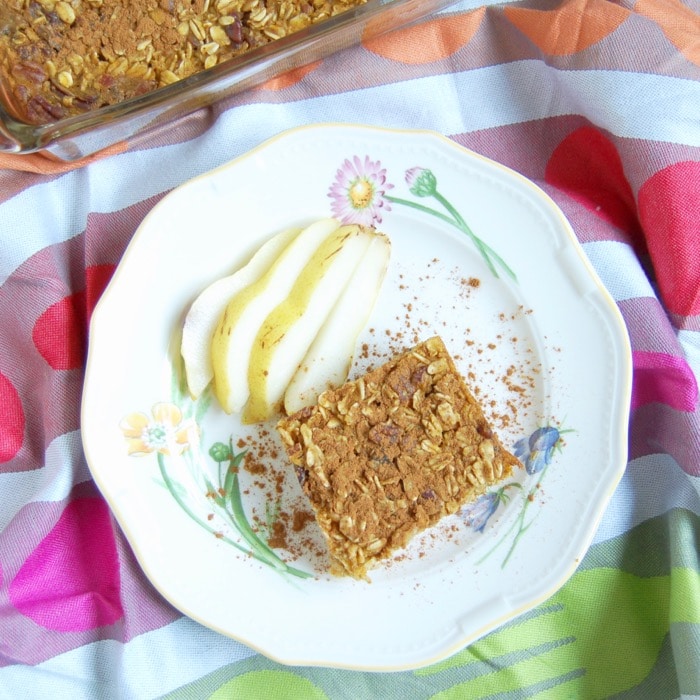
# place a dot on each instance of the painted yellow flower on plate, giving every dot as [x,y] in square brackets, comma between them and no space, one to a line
[164,431]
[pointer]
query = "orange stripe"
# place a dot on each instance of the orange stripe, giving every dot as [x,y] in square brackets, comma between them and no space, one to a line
[430,41]
[572,27]
[44,163]
[678,22]
[291,77]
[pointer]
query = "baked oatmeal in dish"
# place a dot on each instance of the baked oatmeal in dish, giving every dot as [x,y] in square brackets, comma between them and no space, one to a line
[60,58]
[389,454]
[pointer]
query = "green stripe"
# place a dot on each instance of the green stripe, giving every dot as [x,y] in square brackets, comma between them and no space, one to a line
[685,596]
[532,670]
[627,623]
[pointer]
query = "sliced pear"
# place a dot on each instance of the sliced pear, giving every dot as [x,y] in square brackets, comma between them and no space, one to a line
[204,313]
[287,333]
[327,362]
[233,337]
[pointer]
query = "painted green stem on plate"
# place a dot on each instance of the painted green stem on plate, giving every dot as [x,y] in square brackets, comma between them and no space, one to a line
[456,220]
[240,522]
[519,522]
[522,528]
[258,548]
[173,492]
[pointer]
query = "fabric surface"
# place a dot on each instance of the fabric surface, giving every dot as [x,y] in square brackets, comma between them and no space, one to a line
[598,103]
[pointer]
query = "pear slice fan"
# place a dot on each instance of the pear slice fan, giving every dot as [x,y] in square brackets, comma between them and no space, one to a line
[283,328]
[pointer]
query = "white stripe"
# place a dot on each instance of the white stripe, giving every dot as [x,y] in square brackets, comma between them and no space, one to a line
[148,666]
[651,486]
[632,105]
[619,269]
[41,216]
[64,467]
[635,105]
[690,342]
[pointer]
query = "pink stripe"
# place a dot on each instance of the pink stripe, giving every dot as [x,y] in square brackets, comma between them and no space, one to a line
[70,582]
[663,378]
[31,643]
[658,429]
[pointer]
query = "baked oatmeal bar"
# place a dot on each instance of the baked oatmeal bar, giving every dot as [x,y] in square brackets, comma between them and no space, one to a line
[387,455]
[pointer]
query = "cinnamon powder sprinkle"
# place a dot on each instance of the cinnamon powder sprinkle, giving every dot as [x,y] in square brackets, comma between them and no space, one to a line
[481,359]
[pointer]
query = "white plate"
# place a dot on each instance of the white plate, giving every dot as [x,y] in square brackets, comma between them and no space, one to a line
[541,341]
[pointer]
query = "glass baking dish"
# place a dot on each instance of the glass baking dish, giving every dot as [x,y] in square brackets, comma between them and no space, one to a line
[84,134]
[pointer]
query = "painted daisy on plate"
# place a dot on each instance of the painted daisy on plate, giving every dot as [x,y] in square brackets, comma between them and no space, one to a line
[360,195]
[358,192]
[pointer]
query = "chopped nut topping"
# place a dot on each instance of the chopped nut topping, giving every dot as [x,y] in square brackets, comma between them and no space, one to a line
[388,455]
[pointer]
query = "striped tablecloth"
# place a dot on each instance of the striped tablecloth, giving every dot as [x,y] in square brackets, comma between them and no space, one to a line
[598,103]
